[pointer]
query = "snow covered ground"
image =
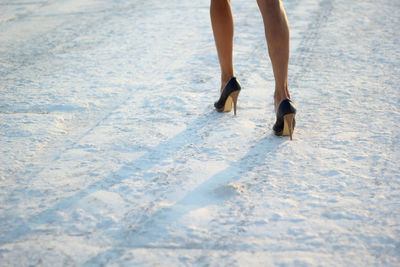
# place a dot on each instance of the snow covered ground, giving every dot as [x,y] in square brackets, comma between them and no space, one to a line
[112,153]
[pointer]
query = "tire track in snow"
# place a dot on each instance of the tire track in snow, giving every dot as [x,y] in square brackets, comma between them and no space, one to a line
[303,54]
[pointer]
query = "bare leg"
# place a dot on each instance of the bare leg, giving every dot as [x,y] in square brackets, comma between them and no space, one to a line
[222,25]
[277,35]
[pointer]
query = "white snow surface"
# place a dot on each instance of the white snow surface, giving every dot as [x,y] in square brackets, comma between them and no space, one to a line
[112,153]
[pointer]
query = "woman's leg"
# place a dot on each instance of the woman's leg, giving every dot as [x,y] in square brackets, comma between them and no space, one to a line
[222,25]
[277,35]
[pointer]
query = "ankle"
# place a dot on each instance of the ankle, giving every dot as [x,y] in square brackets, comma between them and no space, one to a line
[225,79]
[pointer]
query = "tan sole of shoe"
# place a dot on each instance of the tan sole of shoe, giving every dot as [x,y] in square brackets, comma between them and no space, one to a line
[228,105]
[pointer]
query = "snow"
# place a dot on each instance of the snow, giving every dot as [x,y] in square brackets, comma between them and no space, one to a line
[112,153]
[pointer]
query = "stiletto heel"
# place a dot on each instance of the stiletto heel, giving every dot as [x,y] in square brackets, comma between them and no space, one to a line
[229,96]
[234,95]
[288,125]
[285,119]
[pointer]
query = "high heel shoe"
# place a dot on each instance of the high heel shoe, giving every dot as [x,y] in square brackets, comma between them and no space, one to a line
[229,96]
[285,119]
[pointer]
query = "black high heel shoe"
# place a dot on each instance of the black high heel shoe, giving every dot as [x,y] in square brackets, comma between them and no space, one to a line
[285,119]
[228,96]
